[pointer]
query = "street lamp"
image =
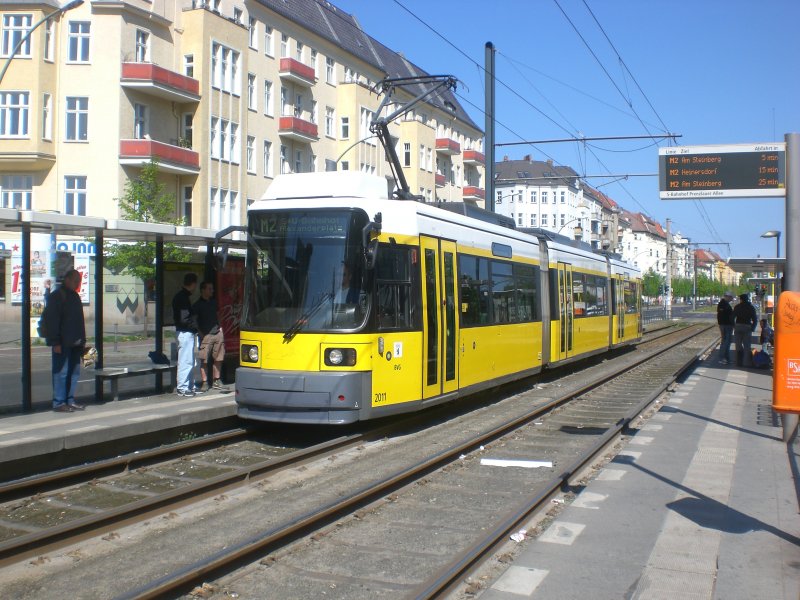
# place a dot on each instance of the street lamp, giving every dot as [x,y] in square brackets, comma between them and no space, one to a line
[777,235]
[58,11]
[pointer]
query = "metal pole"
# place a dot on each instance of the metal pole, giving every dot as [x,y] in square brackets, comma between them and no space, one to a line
[159,308]
[98,311]
[668,299]
[792,273]
[489,135]
[27,395]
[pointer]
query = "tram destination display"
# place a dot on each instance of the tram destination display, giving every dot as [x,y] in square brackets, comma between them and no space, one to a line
[732,171]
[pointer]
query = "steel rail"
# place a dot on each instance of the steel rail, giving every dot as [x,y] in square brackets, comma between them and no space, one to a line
[451,576]
[184,578]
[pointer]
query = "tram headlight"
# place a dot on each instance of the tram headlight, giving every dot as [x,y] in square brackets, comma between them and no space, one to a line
[249,353]
[340,357]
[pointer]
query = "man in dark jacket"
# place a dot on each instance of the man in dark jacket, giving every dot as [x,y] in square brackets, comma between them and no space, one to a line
[725,322]
[186,332]
[66,335]
[744,313]
[212,340]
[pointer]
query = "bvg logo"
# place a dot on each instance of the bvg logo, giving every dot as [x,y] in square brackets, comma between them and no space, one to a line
[794,366]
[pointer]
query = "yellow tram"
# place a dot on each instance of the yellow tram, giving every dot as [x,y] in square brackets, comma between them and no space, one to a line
[358,306]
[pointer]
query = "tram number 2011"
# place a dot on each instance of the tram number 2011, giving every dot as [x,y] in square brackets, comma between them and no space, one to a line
[380,397]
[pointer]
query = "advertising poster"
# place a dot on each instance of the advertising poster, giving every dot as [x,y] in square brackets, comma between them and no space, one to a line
[230,295]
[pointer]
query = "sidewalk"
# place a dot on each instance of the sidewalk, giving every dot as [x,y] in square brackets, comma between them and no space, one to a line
[702,504]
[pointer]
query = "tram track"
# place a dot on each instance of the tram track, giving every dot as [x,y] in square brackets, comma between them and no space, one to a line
[301,525]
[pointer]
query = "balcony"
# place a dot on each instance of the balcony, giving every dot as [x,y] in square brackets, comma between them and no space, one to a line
[447,146]
[295,71]
[297,129]
[474,158]
[441,180]
[158,81]
[36,160]
[171,159]
[472,192]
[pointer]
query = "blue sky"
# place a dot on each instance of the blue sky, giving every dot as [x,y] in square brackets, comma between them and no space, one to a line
[715,71]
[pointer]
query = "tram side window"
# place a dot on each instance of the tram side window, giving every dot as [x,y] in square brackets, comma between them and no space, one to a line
[631,297]
[503,294]
[578,299]
[473,276]
[397,288]
[596,295]
[526,281]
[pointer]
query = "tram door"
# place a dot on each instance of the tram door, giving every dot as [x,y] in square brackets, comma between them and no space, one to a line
[619,302]
[440,320]
[565,308]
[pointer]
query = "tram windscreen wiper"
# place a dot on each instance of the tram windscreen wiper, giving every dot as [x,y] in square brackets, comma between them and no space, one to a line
[303,320]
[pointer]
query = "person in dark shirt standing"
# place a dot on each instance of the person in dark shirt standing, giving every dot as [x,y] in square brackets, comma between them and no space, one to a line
[66,335]
[186,330]
[746,319]
[725,322]
[212,340]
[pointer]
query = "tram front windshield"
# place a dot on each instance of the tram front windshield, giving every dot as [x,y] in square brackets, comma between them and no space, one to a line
[305,271]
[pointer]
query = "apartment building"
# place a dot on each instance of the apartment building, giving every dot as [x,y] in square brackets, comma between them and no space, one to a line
[224,95]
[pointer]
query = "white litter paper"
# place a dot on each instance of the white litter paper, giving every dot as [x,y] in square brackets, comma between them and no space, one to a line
[525,464]
[519,536]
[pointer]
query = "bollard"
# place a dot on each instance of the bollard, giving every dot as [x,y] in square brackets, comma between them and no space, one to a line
[116,348]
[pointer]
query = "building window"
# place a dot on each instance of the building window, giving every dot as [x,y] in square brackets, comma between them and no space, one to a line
[187,204]
[298,161]
[299,52]
[562,220]
[16,191]
[298,106]
[237,15]
[188,65]
[314,113]
[330,165]
[284,45]
[47,117]
[75,195]
[186,130]
[330,67]
[225,69]
[284,102]
[78,45]
[520,216]
[268,108]
[15,26]
[252,102]
[421,156]
[544,220]
[268,170]
[14,107]
[533,197]
[224,140]
[140,124]
[533,220]
[142,46]
[77,119]
[350,75]
[269,41]
[499,197]
[251,154]
[252,29]
[562,197]
[345,165]
[284,160]
[406,154]
[345,128]
[329,120]
[544,197]
[314,62]
[49,39]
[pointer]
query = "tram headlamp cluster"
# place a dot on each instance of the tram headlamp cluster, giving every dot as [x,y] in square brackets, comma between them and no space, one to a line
[249,353]
[340,357]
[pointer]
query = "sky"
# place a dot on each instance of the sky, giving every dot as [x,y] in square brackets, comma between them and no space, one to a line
[711,71]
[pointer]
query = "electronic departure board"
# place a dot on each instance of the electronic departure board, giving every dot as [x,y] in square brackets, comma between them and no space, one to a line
[733,171]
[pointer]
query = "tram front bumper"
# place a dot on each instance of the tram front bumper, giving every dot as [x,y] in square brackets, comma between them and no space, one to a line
[324,398]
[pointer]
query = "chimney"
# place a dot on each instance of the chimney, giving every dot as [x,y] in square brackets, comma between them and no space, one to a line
[505,158]
[527,157]
[550,162]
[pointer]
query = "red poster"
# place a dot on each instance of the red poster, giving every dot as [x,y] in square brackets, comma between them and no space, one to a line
[230,297]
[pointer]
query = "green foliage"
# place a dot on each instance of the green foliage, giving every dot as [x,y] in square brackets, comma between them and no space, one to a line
[145,200]
[681,287]
[651,283]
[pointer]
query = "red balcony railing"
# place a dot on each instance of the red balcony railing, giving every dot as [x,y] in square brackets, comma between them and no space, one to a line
[297,71]
[440,180]
[171,159]
[447,146]
[159,81]
[473,157]
[298,129]
[474,192]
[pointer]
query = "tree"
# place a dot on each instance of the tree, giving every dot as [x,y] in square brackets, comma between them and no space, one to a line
[145,200]
[651,284]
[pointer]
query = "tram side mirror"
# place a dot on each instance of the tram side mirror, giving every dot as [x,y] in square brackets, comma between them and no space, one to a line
[371,245]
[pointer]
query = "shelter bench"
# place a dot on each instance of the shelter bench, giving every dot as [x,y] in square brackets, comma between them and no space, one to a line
[114,374]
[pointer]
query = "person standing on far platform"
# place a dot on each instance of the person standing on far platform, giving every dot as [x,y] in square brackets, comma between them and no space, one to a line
[212,340]
[746,319]
[66,335]
[186,330]
[725,322]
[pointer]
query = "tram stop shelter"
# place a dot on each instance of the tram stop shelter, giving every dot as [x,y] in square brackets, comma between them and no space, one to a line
[26,222]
